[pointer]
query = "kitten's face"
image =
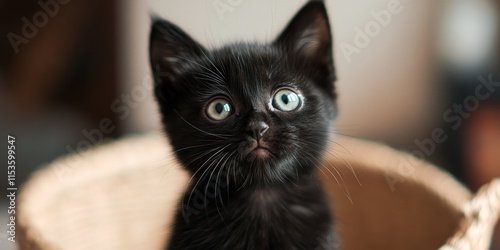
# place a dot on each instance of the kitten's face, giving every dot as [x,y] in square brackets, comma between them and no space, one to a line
[257,114]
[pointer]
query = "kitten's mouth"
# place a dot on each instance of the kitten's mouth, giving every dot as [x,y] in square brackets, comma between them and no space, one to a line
[256,150]
[259,150]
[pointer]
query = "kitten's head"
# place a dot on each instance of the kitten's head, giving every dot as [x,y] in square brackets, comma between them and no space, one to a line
[258,114]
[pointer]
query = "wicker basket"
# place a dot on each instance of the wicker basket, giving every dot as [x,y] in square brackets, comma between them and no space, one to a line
[123,195]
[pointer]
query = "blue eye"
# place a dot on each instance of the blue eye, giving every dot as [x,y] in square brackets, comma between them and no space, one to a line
[219,109]
[286,100]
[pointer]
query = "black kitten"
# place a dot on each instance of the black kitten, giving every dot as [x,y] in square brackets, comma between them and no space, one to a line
[250,123]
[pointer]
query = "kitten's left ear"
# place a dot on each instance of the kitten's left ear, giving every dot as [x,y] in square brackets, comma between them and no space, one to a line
[172,54]
[171,50]
[307,39]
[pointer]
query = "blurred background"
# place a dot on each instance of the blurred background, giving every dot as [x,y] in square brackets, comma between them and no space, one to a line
[421,76]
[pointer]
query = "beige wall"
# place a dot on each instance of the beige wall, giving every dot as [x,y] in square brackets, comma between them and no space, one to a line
[387,90]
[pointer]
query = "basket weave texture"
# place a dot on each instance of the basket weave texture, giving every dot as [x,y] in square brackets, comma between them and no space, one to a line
[123,195]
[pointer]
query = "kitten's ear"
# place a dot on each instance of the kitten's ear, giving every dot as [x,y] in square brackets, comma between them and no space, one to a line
[172,54]
[307,39]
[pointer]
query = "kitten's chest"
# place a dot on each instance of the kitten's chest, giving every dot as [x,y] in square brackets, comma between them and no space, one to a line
[271,205]
[266,219]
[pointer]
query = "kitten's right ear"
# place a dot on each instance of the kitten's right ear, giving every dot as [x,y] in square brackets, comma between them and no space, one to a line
[172,54]
[308,40]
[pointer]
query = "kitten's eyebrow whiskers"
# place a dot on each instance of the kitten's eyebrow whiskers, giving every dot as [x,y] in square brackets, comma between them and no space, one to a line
[219,77]
[207,77]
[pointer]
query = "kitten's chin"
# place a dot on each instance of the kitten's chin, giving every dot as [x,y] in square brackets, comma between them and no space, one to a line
[260,154]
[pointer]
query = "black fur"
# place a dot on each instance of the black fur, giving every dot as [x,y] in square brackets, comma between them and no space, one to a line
[240,197]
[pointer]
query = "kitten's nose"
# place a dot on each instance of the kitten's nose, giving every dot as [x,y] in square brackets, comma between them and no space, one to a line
[257,129]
